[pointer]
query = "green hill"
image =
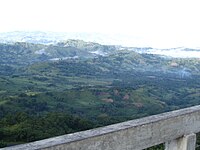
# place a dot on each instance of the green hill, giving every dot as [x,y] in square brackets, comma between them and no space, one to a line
[91,84]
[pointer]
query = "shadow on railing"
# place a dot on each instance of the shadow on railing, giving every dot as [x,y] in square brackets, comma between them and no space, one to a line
[177,129]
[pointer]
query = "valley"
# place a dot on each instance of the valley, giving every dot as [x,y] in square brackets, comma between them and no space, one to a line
[74,85]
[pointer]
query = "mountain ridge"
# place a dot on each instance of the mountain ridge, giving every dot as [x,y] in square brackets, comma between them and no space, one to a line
[120,41]
[106,57]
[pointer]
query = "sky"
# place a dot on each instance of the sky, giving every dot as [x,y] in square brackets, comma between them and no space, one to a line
[158,23]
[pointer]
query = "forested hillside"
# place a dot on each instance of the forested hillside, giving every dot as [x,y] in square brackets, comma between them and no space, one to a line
[50,90]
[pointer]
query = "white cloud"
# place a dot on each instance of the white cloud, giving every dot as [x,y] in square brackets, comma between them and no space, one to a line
[157,22]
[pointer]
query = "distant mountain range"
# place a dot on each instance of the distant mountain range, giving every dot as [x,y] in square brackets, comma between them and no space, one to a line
[38,37]
[102,60]
[122,42]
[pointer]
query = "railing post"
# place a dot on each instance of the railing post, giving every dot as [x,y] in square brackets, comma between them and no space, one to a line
[186,142]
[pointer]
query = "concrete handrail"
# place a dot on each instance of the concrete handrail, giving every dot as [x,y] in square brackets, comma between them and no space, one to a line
[175,128]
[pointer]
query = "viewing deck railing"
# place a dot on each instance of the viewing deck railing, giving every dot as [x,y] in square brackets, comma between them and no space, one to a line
[177,129]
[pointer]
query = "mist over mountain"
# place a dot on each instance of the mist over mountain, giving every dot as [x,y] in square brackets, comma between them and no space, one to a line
[39,37]
[122,41]
[104,59]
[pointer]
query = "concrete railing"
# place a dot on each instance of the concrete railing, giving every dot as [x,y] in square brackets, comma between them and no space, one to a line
[176,129]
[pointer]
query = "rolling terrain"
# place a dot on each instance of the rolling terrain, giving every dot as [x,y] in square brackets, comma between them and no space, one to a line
[91,84]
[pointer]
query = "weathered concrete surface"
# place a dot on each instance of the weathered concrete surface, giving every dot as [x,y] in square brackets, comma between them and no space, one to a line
[131,135]
[187,142]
